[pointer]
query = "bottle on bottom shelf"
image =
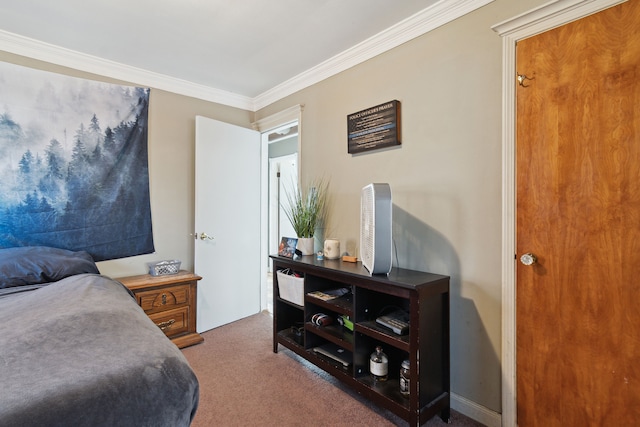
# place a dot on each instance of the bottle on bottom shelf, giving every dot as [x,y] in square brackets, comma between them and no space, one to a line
[379,365]
[405,378]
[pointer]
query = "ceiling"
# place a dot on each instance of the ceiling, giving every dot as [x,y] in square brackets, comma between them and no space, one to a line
[243,51]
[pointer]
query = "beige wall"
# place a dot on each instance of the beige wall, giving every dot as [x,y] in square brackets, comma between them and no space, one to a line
[171,145]
[445,177]
[171,176]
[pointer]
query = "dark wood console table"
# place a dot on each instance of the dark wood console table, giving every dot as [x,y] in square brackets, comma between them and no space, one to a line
[424,296]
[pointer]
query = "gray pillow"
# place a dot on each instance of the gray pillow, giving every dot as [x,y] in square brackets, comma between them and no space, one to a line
[31,265]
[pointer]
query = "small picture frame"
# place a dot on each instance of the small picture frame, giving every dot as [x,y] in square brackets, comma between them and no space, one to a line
[287,247]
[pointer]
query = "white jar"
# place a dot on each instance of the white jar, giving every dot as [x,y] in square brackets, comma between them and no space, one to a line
[331,249]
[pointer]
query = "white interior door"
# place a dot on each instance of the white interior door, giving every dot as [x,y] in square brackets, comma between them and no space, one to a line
[227,222]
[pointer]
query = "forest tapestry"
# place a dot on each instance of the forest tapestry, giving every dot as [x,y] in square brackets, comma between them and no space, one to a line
[73,164]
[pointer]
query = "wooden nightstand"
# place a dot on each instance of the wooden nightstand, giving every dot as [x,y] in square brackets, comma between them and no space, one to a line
[170,301]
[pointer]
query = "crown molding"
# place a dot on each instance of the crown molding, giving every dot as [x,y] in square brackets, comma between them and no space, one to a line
[550,15]
[422,22]
[25,46]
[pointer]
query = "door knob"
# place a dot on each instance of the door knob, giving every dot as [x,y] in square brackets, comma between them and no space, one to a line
[205,236]
[528,259]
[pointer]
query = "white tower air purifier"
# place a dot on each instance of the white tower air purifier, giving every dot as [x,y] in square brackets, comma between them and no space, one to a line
[375,228]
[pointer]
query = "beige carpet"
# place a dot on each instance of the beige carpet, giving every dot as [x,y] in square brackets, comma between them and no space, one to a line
[243,383]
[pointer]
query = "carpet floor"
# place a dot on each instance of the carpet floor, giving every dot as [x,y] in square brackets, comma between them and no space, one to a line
[244,383]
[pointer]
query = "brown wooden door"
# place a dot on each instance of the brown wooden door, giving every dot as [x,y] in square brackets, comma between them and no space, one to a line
[578,211]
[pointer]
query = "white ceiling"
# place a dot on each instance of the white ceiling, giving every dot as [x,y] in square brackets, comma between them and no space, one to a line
[242,50]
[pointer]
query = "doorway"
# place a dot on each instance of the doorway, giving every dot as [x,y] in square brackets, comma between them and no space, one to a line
[281,136]
[283,180]
[282,154]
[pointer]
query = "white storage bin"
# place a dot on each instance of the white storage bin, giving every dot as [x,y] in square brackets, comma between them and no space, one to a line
[291,288]
[161,268]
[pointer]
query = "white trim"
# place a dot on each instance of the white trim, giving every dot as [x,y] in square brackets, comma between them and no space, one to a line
[422,22]
[543,18]
[474,411]
[31,48]
[284,117]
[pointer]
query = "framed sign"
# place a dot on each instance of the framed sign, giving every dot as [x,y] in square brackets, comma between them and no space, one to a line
[373,128]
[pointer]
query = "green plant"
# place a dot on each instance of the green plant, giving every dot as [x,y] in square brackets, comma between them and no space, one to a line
[306,207]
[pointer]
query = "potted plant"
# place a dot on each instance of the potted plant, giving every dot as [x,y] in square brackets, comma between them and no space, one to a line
[306,212]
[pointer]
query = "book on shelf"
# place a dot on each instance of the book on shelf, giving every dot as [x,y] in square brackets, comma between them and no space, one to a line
[329,294]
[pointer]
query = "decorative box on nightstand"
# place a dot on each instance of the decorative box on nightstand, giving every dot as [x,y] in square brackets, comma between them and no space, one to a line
[170,301]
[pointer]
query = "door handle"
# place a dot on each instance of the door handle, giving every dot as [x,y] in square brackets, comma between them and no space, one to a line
[528,259]
[205,236]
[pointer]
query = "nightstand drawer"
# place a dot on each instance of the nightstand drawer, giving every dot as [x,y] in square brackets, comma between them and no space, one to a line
[172,322]
[163,298]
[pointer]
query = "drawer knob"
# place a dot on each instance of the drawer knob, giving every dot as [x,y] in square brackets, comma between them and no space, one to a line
[164,299]
[166,325]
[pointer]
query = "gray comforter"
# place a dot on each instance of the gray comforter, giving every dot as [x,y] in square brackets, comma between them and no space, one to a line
[81,352]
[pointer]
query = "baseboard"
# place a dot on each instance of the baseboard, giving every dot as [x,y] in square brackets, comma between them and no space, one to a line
[474,411]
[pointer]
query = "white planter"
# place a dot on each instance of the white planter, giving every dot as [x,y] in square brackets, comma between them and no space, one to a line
[305,245]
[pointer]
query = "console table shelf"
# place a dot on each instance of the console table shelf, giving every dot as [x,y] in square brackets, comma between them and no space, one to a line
[424,296]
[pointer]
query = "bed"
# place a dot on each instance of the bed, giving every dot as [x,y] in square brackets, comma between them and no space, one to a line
[76,349]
